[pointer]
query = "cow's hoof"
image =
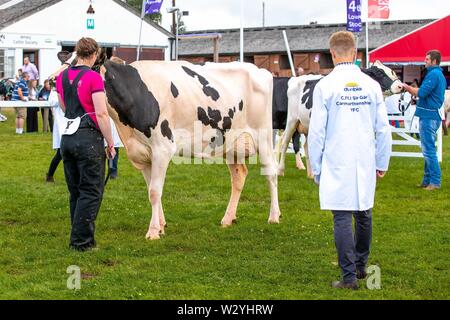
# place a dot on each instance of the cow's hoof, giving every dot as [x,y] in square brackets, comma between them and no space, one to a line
[274,220]
[152,236]
[300,166]
[227,223]
[280,172]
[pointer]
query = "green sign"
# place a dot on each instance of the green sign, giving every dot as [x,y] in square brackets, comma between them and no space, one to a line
[90,23]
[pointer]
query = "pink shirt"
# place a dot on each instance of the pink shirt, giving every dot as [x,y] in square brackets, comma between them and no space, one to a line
[31,70]
[90,83]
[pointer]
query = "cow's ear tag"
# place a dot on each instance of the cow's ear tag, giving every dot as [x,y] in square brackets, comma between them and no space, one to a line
[70,126]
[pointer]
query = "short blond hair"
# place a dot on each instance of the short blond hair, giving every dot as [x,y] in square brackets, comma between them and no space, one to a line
[342,43]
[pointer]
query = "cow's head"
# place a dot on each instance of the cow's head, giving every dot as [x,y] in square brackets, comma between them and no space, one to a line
[70,59]
[386,77]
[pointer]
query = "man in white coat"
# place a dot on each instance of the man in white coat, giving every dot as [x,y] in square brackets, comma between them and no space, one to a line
[349,146]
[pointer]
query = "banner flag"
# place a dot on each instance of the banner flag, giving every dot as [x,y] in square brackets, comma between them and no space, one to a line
[379,9]
[153,6]
[354,16]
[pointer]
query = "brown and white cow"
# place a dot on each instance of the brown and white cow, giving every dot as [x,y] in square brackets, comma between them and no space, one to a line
[300,103]
[162,109]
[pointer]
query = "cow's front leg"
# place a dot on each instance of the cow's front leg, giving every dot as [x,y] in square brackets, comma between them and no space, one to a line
[160,163]
[297,142]
[308,163]
[162,219]
[238,174]
[291,125]
[298,161]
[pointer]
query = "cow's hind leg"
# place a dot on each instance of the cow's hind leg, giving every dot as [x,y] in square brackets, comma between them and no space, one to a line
[238,174]
[155,189]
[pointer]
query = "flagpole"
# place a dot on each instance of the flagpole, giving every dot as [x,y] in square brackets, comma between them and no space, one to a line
[140,30]
[242,32]
[367,36]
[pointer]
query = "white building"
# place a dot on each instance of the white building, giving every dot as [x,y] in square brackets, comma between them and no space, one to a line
[41,28]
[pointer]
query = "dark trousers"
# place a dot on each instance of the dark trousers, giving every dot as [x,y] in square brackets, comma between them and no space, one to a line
[296,141]
[32,119]
[54,164]
[50,118]
[353,249]
[83,155]
[115,163]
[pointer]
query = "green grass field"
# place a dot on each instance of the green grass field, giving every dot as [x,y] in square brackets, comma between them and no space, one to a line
[197,259]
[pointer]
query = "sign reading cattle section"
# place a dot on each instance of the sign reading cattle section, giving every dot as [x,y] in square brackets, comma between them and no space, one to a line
[297,158]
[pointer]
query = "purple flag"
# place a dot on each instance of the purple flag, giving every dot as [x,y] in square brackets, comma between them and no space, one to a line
[153,6]
[354,23]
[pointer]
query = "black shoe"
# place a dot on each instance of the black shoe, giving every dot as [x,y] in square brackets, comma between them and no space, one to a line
[361,274]
[49,179]
[345,285]
[84,248]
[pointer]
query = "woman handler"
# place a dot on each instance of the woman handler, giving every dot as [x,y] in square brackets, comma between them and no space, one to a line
[82,98]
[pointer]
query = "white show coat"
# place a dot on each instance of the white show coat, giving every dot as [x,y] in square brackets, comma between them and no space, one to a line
[348,111]
[115,135]
[58,118]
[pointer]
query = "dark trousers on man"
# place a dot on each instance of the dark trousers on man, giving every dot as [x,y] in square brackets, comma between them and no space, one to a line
[353,248]
[83,155]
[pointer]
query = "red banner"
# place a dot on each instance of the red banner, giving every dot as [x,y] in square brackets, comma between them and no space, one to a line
[379,9]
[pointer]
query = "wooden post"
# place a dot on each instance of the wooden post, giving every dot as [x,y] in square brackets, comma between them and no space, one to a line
[216,49]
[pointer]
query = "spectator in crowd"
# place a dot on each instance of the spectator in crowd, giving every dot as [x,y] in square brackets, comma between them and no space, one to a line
[82,149]
[3,92]
[346,156]
[32,119]
[117,144]
[20,93]
[47,117]
[431,96]
[19,74]
[30,68]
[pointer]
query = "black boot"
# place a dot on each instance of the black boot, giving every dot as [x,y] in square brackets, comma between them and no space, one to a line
[345,285]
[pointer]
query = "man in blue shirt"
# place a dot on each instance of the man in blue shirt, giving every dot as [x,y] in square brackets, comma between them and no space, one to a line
[429,106]
[20,93]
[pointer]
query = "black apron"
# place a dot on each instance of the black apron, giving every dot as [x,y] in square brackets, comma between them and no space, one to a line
[72,102]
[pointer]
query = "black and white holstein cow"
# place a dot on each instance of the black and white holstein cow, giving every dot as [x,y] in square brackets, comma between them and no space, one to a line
[300,103]
[162,109]
[157,106]
[279,115]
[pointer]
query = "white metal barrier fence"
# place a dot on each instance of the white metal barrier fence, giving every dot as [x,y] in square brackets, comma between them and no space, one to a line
[406,134]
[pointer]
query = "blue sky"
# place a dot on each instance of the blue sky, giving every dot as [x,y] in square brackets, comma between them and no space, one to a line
[215,14]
